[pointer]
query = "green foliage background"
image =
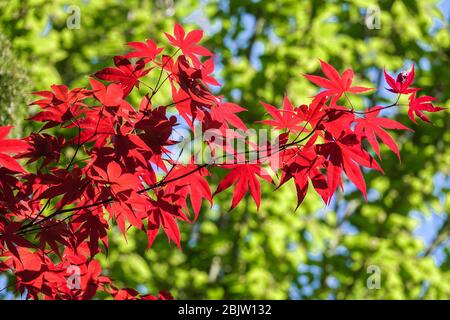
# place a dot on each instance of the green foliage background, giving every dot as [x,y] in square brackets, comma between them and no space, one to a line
[14,87]
[263,48]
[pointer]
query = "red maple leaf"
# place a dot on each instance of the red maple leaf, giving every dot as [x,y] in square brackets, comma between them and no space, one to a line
[91,226]
[226,113]
[96,126]
[12,241]
[244,176]
[164,213]
[116,179]
[125,73]
[53,233]
[346,154]
[113,176]
[43,146]
[334,84]
[304,165]
[420,104]
[188,43]
[109,96]
[60,182]
[9,146]
[402,83]
[287,118]
[147,50]
[206,70]
[373,126]
[189,180]
[60,105]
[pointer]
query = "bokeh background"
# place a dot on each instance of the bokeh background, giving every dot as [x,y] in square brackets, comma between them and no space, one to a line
[262,48]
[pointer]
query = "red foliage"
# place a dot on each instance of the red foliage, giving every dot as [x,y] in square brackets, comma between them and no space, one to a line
[55,217]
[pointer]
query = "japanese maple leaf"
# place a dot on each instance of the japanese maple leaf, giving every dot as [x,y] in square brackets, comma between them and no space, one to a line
[13,241]
[96,127]
[189,106]
[131,294]
[60,104]
[90,279]
[346,154]
[8,184]
[53,233]
[190,80]
[206,70]
[109,96]
[125,73]
[244,176]
[304,165]
[60,96]
[186,107]
[157,129]
[402,83]
[286,118]
[25,259]
[315,112]
[189,180]
[91,225]
[61,182]
[226,113]
[420,104]
[334,84]
[43,146]
[372,127]
[115,177]
[164,213]
[9,146]
[188,43]
[337,119]
[147,50]
[131,150]
[29,268]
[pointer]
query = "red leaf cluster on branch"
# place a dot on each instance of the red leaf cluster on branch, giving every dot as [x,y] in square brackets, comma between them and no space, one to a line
[101,162]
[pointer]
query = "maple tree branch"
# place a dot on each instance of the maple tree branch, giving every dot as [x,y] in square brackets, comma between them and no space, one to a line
[77,148]
[145,84]
[40,228]
[162,83]
[164,181]
[350,111]
[79,144]
[175,103]
[67,168]
[8,286]
[441,235]
[106,201]
[160,183]
[154,91]
[394,104]
[349,101]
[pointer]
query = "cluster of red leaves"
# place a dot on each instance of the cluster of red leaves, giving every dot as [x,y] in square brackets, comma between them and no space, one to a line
[56,215]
